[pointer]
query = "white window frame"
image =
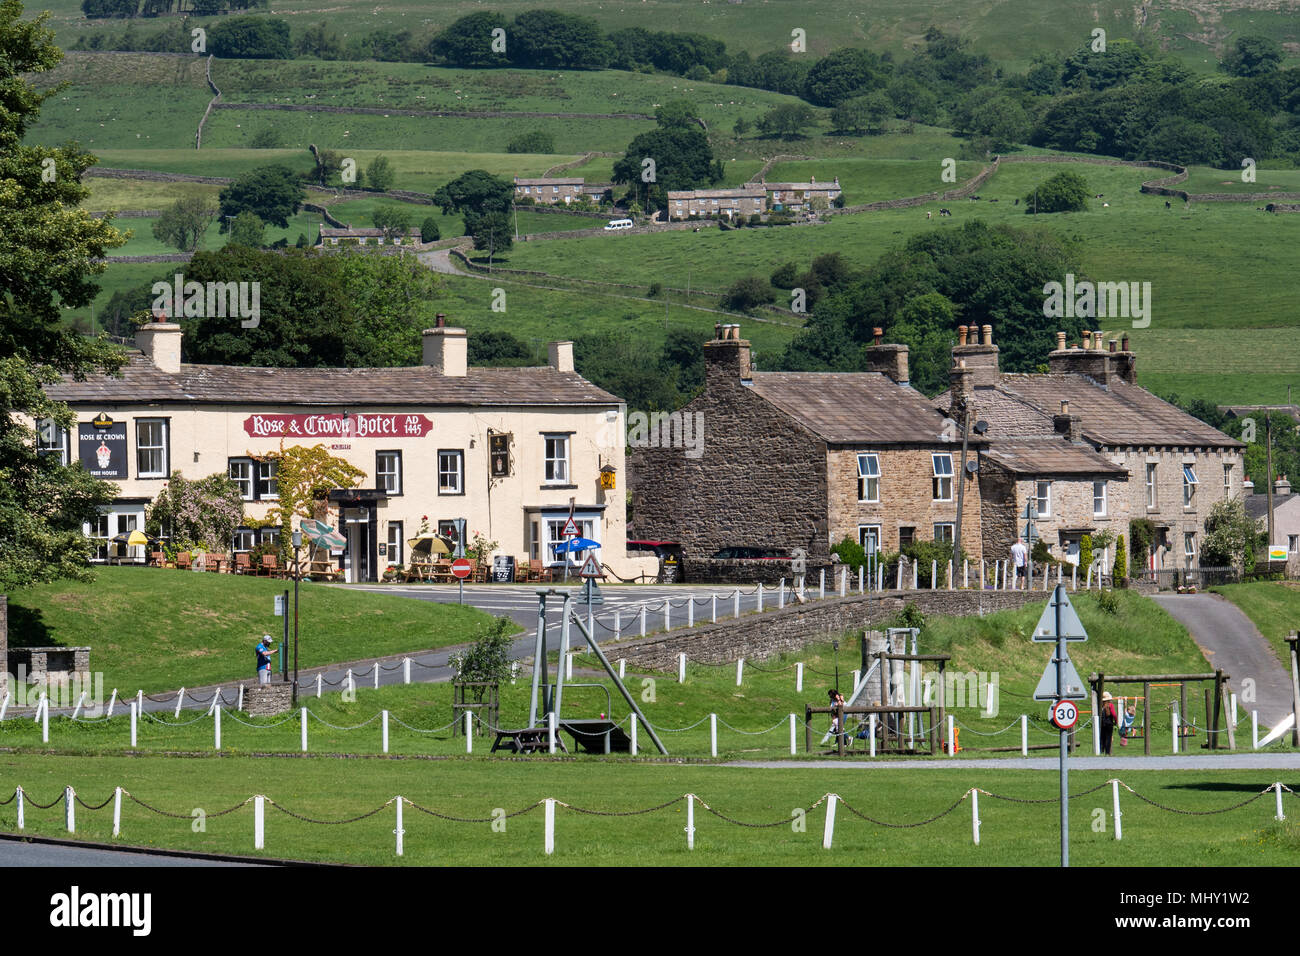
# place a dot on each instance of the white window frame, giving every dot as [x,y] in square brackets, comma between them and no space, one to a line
[952,531]
[445,485]
[869,478]
[941,476]
[395,541]
[1227,481]
[1043,498]
[265,486]
[587,528]
[1292,543]
[1189,545]
[247,485]
[1190,481]
[866,531]
[51,439]
[161,449]
[556,466]
[389,480]
[1099,512]
[245,533]
[1153,498]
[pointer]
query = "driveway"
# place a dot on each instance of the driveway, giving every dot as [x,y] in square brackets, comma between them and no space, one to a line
[1230,641]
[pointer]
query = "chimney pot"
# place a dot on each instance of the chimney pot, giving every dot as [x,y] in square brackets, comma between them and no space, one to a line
[878,334]
[1060,341]
[440,320]
[1123,343]
[988,335]
[961,334]
[1087,339]
[446,350]
[1112,343]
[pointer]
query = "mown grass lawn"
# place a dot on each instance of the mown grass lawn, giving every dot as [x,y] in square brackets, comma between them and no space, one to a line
[789,800]
[156,629]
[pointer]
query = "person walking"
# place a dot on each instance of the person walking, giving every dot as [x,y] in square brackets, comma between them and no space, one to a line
[1108,719]
[1020,561]
[264,653]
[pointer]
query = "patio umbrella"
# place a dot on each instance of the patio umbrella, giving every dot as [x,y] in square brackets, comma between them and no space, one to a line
[135,539]
[575,544]
[321,535]
[431,543]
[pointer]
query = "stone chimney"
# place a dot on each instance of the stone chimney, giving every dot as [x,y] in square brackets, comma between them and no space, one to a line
[1094,359]
[886,359]
[1067,425]
[560,356]
[980,358]
[161,344]
[446,349]
[1281,486]
[726,357]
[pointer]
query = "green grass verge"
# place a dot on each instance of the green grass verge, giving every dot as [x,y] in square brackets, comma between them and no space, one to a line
[1273,607]
[323,789]
[161,629]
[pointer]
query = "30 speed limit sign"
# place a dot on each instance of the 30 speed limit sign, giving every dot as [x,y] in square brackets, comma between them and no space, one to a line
[1065,714]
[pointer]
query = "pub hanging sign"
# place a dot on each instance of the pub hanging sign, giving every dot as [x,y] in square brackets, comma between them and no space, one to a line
[101,445]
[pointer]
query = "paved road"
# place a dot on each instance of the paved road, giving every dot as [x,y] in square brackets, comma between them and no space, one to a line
[1223,761]
[1231,642]
[15,853]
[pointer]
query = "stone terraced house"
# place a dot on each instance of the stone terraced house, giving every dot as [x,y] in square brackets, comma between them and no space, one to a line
[1091,448]
[804,460]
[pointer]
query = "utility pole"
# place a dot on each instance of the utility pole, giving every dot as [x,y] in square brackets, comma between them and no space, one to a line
[1268,468]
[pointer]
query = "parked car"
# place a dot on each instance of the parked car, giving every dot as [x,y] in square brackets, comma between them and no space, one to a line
[762,554]
[615,224]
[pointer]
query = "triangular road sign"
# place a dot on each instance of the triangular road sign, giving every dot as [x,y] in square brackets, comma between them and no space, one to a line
[570,529]
[591,567]
[1071,626]
[1074,688]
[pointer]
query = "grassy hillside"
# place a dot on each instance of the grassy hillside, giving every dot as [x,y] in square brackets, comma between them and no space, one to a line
[161,629]
[1273,606]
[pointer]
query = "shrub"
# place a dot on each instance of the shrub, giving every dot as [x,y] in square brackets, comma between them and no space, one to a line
[925,552]
[535,141]
[488,659]
[1108,601]
[656,290]
[429,230]
[1121,562]
[1086,556]
[747,294]
[1064,192]
[785,276]
[850,553]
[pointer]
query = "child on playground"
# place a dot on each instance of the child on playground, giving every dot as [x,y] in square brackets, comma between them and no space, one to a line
[1128,717]
[836,700]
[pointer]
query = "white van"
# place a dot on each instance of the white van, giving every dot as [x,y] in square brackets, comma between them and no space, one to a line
[615,224]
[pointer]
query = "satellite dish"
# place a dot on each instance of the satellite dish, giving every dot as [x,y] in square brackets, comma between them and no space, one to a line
[972,466]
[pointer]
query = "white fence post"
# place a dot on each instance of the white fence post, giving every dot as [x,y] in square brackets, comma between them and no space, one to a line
[871,734]
[134,718]
[568,665]
[643,619]
[180,699]
[793,750]
[844,581]
[681,668]
[981,574]
[376,667]
[690,611]
[1254,728]
[965,573]
[384,720]
[259,822]
[857,679]
[760,597]
[713,735]
[303,716]
[740,670]
[399,831]
[934,574]
[70,808]
[4,705]
[1232,704]
[239,705]
[821,583]
[668,604]
[714,618]
[469,731]
[45,719]
[798,677]
[975,814]
[139,699]
[22,818]
[780,600]
[216,729]
[862,576]
[916,565]
[632,729]
[880,577]
[550,826]
[690,821]
[952,739]
[318,683]
[117,811]
[1096,727]
[406,670]
[736,602]
[1175,730]
[949,575]
[550,731]
[1277,789]
[1074,577]
[618,624]
[622,668]
[1024,735]
[352,684]
[76,711]
[828,831]
[1114,792]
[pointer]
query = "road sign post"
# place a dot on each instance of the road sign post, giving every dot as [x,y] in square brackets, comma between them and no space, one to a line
[461,568]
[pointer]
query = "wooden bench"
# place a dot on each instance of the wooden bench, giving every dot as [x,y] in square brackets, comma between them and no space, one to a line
[323,570]
[526,741]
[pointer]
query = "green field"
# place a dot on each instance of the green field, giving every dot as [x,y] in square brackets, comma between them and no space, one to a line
[325,789]
[156,629]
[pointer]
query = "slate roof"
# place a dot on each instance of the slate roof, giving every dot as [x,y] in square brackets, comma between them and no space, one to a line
[574,181]
[853,408]
[331,232]
[1119,414]
[142,382]
[739,193]
[1257,505]
[1051,456]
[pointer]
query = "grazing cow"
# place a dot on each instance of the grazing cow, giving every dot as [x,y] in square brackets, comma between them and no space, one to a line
[992,200]
[929,215]
[1167,206]
[945,212]
[1016,203]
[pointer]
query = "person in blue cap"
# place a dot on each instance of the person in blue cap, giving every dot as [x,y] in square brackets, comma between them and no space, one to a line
[264,653]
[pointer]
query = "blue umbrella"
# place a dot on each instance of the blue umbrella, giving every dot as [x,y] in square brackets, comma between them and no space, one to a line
[575,544]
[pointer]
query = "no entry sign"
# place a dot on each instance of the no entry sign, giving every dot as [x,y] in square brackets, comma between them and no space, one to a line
[462,567]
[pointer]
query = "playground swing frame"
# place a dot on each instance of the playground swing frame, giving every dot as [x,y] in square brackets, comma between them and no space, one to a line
[1216,724]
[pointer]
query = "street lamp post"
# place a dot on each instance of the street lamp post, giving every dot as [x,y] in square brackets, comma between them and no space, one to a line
[297,576]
